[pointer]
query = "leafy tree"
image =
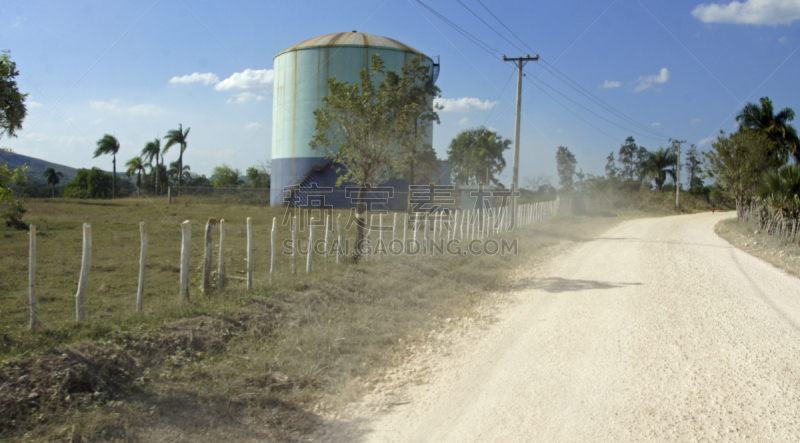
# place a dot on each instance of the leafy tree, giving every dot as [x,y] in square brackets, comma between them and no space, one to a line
[135,166]
[780,190]
[90,183]
[565,165]
[694,169]
[176,176]
[177,137]
[611,166]
[476,156]
[224,176]
[640,165]
[109,145]
[152,150]
[627,158]
[12,102]
[658,166]
[53,178]
[258,177]
[763,119]
[360,126]
[738,161]
[12,210]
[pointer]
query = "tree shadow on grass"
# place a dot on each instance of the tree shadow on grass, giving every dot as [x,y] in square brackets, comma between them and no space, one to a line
[557,285]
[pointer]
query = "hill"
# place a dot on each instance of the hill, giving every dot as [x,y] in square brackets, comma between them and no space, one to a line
[36,167]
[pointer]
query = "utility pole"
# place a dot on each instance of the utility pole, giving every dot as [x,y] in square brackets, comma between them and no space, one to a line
[520,63]
[677,144]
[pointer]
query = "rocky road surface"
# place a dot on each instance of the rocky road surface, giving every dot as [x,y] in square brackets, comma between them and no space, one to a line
[659,330]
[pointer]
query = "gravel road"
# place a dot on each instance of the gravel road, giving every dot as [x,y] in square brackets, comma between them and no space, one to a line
[659,330]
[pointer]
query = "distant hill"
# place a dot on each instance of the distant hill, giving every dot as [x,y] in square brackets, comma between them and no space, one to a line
[36,167]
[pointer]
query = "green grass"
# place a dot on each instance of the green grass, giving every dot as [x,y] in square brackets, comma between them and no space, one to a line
[217,363]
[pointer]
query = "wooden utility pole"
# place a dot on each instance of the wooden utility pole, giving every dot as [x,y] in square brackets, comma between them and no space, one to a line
[520,63]
[677,144]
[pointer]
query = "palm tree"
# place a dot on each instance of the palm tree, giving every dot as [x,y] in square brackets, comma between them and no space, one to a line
[152,150]
[658,164]
[135,165]
[178,137]
[53,178]
[109,145]
[763,119]
[173,171]
[781,190]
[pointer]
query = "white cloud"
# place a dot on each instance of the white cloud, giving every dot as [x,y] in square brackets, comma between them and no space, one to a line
[144,109]
[464,105]
[783,39]
[113,106]
[253,125]
[207,78]
[647,81]
[559,131]
[608,84]
[248,79]
[32,104]
[706,141]
[38,137]
[750,12]
[245,97]
[696,121]
[656,124]
[464,121]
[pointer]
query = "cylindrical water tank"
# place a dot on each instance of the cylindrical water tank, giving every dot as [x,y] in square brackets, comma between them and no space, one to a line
[300,83]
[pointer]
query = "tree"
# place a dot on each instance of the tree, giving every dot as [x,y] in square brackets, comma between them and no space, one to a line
[359,127]
[258,176]
[224,176]
[658,166]
[176,176]
[611,166]
[12,210]
[90,183]
[476,156]
[640,165]
[780,190]
[627,158]
[152,150]
[776,126]
[109,145]
[12,102]
[694,169]
[738,161]
[177,137]
[565,165]
[53,178]
[135,166]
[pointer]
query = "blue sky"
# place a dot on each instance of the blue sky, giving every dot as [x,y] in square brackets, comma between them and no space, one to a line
[679,69]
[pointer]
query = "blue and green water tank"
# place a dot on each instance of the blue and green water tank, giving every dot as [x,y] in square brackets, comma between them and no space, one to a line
[300,83]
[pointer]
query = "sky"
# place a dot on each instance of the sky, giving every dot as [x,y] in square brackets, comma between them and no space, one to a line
[608,69]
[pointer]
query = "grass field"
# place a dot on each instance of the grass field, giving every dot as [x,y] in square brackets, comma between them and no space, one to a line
[239,364]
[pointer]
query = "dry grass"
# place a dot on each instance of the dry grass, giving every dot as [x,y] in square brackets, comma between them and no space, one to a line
[238,364]
[747,237]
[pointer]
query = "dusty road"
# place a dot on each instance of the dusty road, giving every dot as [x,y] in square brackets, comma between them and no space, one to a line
[659,330]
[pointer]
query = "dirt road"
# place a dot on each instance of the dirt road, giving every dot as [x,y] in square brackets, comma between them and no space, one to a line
[659,330]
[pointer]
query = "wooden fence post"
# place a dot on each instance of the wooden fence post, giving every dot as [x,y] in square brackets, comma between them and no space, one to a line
[405,232]
[339,239]
[272,251]
[208,243]
[169,195]
[310,254]
[327,245]
[394,227]
[83,282]
[34,305]
[294,244]
[380,234]
[249,253]
[426,234]
[142,262]
[186,249]
[221,272]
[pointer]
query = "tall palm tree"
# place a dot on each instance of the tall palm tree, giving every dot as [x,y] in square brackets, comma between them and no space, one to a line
[109,145]
[763,119]
[781,190]
[53,177]
[174,168]
[177,137]
[135,166]
[658,164]
[152,150]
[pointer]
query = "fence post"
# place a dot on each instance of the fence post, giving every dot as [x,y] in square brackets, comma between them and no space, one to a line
[34,305]
[186,248]
[169,195]
[425,233]
[272,251]
[294,245]
[405,233]
[249,253]
[339,239]
[327,229]
[380,234]
[83,282]
[221,257]
[310,254]
[394,227]
[142,261]
[208,240]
